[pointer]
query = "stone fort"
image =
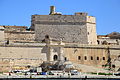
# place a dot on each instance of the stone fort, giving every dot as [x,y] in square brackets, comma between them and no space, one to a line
[78,28]
[56,37]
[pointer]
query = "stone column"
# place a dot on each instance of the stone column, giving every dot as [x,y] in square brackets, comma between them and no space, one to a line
[50,54]
[49,50]
[61,53]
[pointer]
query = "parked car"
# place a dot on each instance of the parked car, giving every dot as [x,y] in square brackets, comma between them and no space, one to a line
[117,74]
[74,72]
[50,73]
[42,73]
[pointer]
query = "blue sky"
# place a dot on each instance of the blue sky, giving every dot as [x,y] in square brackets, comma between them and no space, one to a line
[18,12]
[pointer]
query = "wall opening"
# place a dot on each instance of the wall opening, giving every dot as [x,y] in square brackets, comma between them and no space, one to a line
[47,36]
[88,33]
[65,58]
[98,41]
[55,57]
[91,58]
[104,42]
[85,57]
[97,58]
[79,57]
[103,58]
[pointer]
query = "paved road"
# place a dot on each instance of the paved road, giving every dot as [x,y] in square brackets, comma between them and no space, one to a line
[56,76]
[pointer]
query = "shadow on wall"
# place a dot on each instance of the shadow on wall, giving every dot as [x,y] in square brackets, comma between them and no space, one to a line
[44,50]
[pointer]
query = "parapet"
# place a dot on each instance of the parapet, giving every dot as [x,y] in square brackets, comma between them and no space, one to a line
[14,28]
[91,19]
[81,13]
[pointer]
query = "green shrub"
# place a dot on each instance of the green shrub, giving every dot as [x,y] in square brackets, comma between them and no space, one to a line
[93,73]
[104,73]
[1,72]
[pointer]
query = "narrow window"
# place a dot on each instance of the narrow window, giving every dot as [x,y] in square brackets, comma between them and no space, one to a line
[103,58]
[97,58]
[91,58]
[85,58]
[79,57]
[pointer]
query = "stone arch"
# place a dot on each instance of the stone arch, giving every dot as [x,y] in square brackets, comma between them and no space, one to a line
[104,42]
[47,36]
[118,57]
[55,57]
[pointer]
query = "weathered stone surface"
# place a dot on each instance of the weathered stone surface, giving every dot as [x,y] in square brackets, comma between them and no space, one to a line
[20,36]
[72,33]
[28,54]
[69,28]
[2,38]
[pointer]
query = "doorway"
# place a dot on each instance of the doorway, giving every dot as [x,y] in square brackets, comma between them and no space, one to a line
[55,57]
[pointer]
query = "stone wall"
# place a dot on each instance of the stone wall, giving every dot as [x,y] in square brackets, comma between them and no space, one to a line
[15,28]
[34,54]
[58,19]
[68,33]
[69,28]
[91,30]
[87,56]
[91,55]
[20,56]
[20,36]
[108,41]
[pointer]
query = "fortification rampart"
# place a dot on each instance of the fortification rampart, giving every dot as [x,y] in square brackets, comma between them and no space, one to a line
[24,54]
[20,36]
